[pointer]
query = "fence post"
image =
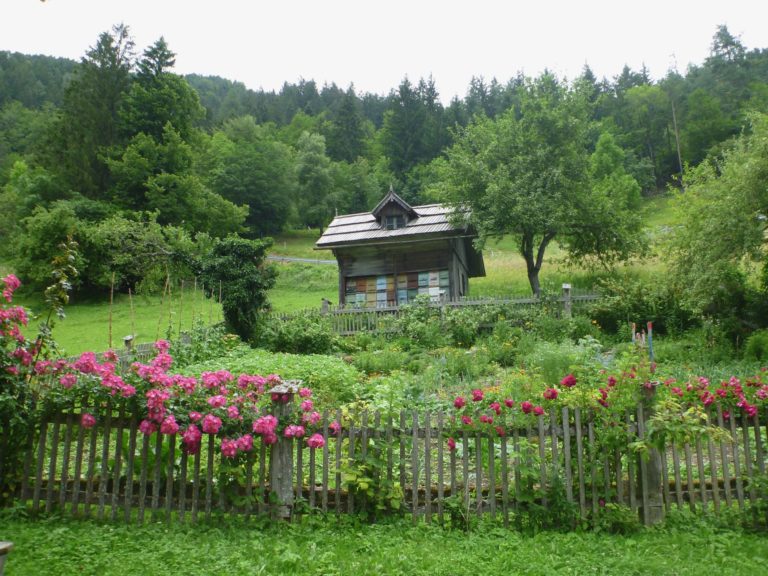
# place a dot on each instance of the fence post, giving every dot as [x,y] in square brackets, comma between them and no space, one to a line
[281,457]
[567,304]
[649,472]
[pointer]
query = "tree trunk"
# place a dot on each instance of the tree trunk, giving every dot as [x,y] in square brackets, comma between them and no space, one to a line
[533,262]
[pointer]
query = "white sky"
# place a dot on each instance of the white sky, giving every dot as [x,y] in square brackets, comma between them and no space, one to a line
[376,44]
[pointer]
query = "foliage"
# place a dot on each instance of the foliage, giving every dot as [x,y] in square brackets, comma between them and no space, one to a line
[331,378]
[724,209]
[756,346]
[626,300]
[616,519]
[236,268]
[526,174]
[368,483]
[303,333]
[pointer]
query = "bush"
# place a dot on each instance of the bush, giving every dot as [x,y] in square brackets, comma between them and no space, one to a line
[626,300]
[305,333]
[756,347]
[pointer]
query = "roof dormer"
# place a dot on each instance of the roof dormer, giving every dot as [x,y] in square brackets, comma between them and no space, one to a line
[393,212]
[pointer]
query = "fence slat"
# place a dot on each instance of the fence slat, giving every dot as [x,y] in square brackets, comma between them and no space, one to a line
[631,460]
[619,476]
[390,462]
[415,467]
[351,436]
[491,475]
[337,495]
[312,480]
[665,481]
[758,444]
[52,468]
[543,461]
[65,462]
[478,474]
[516,466]
[592,463]
[736,461]
[580,460]
[504,480]
[144,474]
[76,480]
[118,463]
[702,476]
[401,440]
[209,477]
[645,496]
[324,494]
[40,464]
[724,460]
[128,502]
[182,493]
[689,477]
[169,477]
[261,503]
[105,445]
[427,470]
[465,468]
[440,469]
[713,473]
[748,457]
[566,418]
[156,475]
[90,473]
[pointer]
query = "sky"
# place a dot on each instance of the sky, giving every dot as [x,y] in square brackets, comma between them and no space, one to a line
[375,44]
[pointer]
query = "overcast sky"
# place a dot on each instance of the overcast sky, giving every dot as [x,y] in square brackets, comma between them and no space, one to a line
[375,44]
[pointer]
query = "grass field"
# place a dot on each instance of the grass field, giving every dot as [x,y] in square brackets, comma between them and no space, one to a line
[328,547]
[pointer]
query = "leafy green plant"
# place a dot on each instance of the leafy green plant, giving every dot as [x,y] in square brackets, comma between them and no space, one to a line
[756,346]
[616,519]
[367,482]
[304,333]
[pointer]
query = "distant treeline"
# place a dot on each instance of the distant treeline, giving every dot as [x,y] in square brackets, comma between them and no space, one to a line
[129,158]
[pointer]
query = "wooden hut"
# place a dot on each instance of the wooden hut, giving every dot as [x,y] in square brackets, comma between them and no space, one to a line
[397,252]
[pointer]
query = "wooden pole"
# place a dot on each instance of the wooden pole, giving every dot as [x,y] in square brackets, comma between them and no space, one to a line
[111,302]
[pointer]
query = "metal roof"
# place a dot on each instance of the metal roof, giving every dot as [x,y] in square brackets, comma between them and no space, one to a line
[431,220]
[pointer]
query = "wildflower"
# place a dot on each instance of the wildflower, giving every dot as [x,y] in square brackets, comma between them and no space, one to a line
[568,381]
[459,402]
[87,420]
[451,444]
[477,395]
[526,407]
[538,410]
[550,394]
[211,424]
[316,441]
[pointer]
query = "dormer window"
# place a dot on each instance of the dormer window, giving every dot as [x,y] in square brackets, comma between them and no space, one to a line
[394,221]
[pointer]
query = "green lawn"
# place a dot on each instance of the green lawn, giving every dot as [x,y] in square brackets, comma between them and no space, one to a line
[329,547]
[87,324]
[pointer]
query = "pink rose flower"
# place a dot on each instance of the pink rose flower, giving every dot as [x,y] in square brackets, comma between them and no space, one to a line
[451,444]
[477,395]
[87,420]
[538,410]
[169,425]
[550,394]
[316,441]
[211,424]
[459,403]
[569,381]
[527,407]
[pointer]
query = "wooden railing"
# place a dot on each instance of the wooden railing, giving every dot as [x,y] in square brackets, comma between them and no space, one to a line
[113,471]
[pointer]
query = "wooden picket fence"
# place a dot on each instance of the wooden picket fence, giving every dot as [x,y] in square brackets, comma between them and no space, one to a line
[113,471]
[349,320]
